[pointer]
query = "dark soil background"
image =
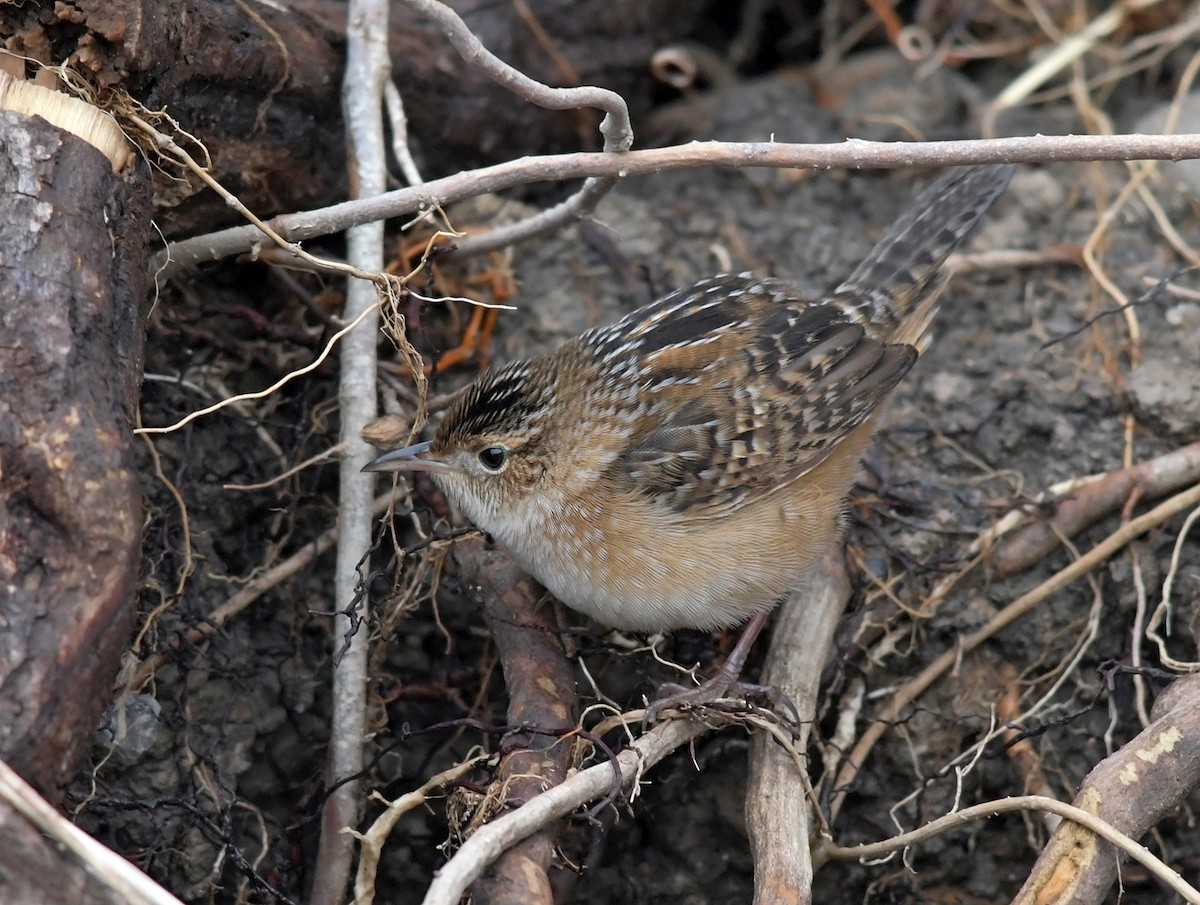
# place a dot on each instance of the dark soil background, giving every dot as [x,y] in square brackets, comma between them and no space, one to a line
[211,776]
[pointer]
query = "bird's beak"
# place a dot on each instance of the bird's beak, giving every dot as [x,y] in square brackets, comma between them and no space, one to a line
[410,458]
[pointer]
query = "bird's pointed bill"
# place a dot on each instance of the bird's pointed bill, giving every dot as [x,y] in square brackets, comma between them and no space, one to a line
[410,458]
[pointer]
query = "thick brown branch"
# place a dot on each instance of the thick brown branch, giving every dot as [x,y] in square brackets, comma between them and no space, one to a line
[1131,790]
[1092,502]
[541,692]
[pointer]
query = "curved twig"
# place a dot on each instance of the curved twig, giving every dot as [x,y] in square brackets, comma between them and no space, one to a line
[615,127]
[617,132]
[1161,870]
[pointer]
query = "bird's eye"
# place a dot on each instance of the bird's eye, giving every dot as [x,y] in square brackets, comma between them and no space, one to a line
[493,457]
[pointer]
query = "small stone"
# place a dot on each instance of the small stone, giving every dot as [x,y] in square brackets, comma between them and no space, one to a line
[1168,393]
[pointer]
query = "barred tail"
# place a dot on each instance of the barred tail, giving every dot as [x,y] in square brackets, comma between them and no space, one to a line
[895,289]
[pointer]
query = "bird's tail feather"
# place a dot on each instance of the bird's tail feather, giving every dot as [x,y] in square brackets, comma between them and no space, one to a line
[894,290]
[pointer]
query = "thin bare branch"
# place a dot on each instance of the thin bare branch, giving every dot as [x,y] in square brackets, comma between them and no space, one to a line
[850,154]
[399,123]
[367,71]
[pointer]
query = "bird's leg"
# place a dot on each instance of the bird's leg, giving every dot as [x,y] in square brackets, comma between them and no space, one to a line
[724,678]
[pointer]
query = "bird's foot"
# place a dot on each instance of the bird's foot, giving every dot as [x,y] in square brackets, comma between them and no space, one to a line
[725,678]
[741,695]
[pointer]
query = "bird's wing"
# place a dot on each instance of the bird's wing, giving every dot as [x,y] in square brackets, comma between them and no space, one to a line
[745,387]
[751,386]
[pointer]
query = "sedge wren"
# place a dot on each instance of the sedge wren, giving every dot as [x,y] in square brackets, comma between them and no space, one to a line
[686,465]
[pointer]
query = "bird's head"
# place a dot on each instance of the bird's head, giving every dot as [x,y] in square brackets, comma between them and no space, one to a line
[491,453]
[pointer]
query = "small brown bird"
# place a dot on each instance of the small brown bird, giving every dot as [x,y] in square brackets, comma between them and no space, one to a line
[686,465]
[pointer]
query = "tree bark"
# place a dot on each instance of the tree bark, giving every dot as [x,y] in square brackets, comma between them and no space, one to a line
[73,239]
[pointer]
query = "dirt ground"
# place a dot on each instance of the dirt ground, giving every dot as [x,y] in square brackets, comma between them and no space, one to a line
[214,778]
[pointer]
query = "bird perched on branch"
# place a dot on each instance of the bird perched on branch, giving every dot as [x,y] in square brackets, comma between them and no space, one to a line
[685,466]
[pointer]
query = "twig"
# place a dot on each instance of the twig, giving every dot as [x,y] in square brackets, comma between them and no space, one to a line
[1162,612]
[1168,877]
[188,566]
[286,378]
[1106,219]
[961,263]
[367,71]
[264,230]
[329,453]
[850,154]
[399,124]
[1017,747]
